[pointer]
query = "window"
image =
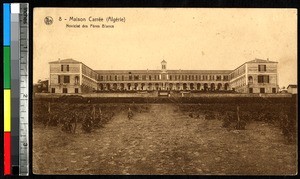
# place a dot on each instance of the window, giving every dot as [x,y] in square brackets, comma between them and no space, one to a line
[61,68]
[76,90]
[273,90]
[67,67]
[101,78]
[136,77]
[262,90]
[225,78]
[116,78]
[263,78]
[143,77]
[149,77]
[262,68]
[66,79]
[130,77]
[218,78]
[76,80]
[266,78]
[260,79]
[170,77]
[65,90]
[250,80]
[250,90]
[58,79]
[52,90]
[122,78]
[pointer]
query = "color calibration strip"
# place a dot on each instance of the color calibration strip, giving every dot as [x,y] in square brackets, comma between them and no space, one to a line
[7,89]
[16,86]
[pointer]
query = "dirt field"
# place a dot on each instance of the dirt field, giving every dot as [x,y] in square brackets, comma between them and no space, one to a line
[164,141]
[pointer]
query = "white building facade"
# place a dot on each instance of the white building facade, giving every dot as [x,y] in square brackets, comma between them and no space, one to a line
[71,76]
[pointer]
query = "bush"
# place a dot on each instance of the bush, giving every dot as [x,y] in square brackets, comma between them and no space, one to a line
[228,119]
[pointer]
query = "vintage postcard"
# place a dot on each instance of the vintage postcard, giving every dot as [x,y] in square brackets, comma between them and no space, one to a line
[167,91]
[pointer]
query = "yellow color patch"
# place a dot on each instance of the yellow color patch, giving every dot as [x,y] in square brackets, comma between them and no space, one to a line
[7,110]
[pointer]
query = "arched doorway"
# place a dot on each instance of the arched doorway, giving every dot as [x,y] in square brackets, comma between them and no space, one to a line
[192,86]
[115,86]
[171,86]
[122,86]
[177,86]
[135,86]
[184,86]
[205,86]
[198,86]
[150,86]
[129,86]
[219,86]
[212,87]
[226,86]
[142,86]
[107,86]
[101,86]
[156,86]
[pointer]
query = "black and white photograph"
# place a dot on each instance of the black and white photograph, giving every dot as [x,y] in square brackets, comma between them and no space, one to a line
[164,91]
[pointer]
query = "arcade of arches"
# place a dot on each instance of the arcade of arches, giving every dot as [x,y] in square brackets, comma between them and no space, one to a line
[164,86]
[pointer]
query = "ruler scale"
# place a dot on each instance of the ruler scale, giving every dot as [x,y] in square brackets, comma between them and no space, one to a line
[24,92]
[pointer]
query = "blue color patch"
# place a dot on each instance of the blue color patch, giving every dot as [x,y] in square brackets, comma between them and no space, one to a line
[6,24]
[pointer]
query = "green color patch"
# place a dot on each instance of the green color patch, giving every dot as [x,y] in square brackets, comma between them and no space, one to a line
[6,67]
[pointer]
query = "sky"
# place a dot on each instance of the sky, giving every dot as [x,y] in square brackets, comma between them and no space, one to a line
[187,38]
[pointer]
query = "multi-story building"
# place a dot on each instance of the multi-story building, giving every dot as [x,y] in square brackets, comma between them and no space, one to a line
[71,76]
[256,76]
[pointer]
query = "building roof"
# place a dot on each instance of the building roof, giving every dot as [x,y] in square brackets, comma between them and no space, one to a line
[168,71]
[69,60]
[292,86]
[164,61]
[256,60]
